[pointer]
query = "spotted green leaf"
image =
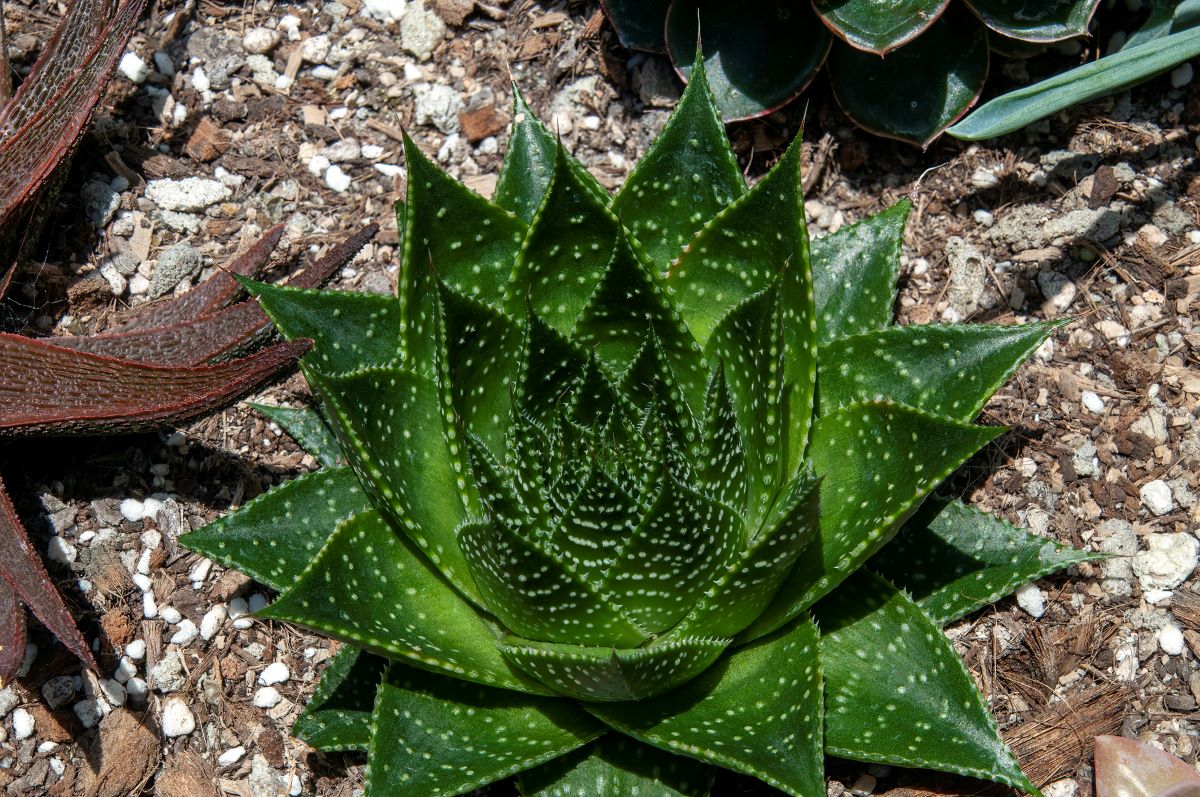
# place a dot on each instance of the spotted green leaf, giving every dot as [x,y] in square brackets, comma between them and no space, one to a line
[274,537]
[617,766]
[918,90]
[529,164]
[433,736]
[390,423]
[757,711]
[953,559]
[1036,20]
[686,177]
[349,331]
[338,717]
[402,606]
[897,693]
[591,531]
[948,370]
[879,26]
[723,465]
[866,496]
[607,674]
[854,274]
[308,428]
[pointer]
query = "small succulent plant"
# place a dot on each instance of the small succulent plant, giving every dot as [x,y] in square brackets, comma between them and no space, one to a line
[904,70]
[635,488]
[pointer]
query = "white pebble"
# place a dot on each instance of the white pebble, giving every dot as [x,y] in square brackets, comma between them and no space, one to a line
[1093,402]
[267,697]
[89,712]
[199,571]
[275,673]
[177,719]
[136,649]
[260,40]
[22,722]
[170,614]
[1031,599]
[86,537]
[162,62]
[143,565]
[295,785]
[231,756]
[113,691]
[47,747]
[136,689]
[372,151]
[1170,639]
[1156,596]
[143,582]
[57,692]
[151,538]
[134,68]
[125,670]
[186,634]
[210,624]
[337,179]
[131,509]
[1182,75]
[1156,496]
[149,607]
[200,81]
[61,551]
[58,767]
[258,602]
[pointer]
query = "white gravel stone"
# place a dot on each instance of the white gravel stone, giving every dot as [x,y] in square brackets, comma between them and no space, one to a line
[143,565]
[1156,496]
[47,747]
[260,40]
[89,712]
[136,689]
[186,633]
[125,669]
[59,691]
[200,571]
[1170,639]
[200,81]
[316,49]
[142,581]
[212,621]
[437,104]
[337,179]
[1031,598]
[188,194]
[162,62]
[383,10]
[231,756]
[177,718]
[267,697]
[1182,75]
[275,673]
[134,68]
[22,722]
[1168,562]
[1062,788]
[257,602]
[61,551]
[170,614]
[421,31]
[1092,402]
[149,606]
[131,509]
[113,691]
[8,700]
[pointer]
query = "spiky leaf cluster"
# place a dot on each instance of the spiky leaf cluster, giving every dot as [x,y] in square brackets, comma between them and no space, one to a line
[594,521]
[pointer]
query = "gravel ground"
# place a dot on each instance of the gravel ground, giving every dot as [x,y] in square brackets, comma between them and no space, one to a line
[227,119]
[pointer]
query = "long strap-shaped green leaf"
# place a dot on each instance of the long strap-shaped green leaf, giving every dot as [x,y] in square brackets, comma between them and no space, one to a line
[1107,75]
[897,693]
[617,766]
[433,736]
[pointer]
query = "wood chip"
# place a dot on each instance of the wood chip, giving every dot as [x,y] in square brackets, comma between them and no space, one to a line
[479,123]
[127,752]
[454,12]
[185,775]
[208,141]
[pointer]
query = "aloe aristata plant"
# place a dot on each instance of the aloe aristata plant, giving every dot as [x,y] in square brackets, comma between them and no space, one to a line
[635,489]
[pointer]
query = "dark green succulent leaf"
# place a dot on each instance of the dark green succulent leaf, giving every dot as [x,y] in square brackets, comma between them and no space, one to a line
[650,381]
[565,253]
[639,23]
[607,674]
[308,428]
[854,274]
[338,717]
[943,369]
[474,260]
[878,460]
[550,366]
[618,766]
[595,398]
[750,581]
[1036,20]
[686,177]
[349,331]
[273,538]
[391,426]
[756,59]
[373,588]
[920,89]
[627,306]
[679,547]
[497,492]
[953,559]
[756,711]
[529,164]
[723,466]
[434,736]
[483,350]
[600,519]
[879,26]
[551,602]
[897,693]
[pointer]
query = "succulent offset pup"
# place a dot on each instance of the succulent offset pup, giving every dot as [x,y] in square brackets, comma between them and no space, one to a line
[635,488]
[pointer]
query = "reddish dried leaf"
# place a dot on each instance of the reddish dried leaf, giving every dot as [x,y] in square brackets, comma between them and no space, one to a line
[315,275]
[12,633]
[47,389]
[22,570]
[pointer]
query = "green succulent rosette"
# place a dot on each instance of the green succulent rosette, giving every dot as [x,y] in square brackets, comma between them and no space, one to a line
[616,474]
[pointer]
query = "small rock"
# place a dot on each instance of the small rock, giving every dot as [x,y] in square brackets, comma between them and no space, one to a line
[421,31]
[343,151]
[267,697]
[170,614]
[1031,598]
[315,50]
[275,673]
[656,83]
[134,68]
[1084,224]
[1156,496]
[1062,788]
[185,634]
[1059,291]
[149,605]
[89,712]
[178,264]
[167,675]
[337,179]
[1182,75]
[437,104]
[113,691]
[22,722]
[177,719]
[231,756]
[1170,639]
[383,10]
[100,201]
[221,52]
[58,691]
[125,670]
[864,785]
[968,276]
[211,622]
[984,177]
[260,41]
[136,689]
[61,551]
[8,700]
[1168,562]
[1092,402]
[188,194]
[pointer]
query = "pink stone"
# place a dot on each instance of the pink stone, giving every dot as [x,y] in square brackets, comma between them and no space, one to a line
[1128,768]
